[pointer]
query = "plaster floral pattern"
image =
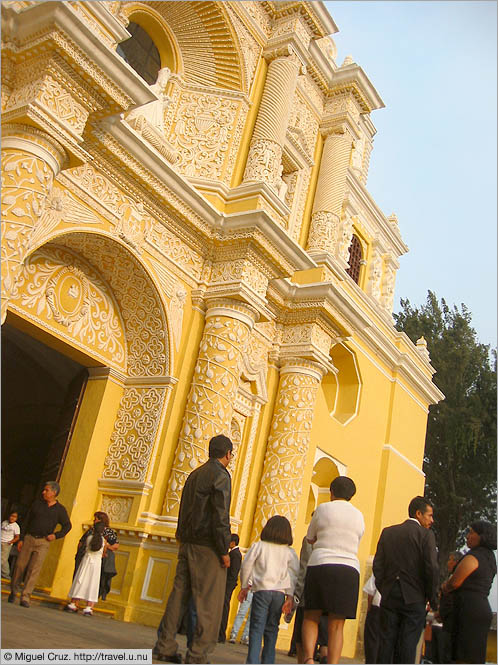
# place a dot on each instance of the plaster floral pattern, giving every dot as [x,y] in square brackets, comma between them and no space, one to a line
[61,103]
[57,287]
[210,403]
[287,448]
[387,295]
[264,163]
[133,224]
[134,434]
[323,232]
[375,273]
[346,234]
[306,334]
[202,133]
[144,321]
[240,270]
[26,182]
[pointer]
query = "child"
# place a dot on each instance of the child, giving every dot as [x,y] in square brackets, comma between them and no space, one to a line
[10,535]
[272,565]
[86,582]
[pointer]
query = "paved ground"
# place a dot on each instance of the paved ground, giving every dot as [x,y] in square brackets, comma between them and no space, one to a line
[45,627]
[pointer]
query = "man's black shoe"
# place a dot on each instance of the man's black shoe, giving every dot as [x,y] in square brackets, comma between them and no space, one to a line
[24,603]
[175,658]
[12,597]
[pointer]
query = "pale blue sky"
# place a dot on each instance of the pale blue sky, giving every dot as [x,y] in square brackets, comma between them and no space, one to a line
[434,156]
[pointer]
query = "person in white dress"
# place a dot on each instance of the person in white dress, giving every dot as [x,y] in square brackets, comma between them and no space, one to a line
[85,584]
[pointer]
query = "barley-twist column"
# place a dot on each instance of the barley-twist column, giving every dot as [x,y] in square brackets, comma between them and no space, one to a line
[30,162]
[213,391]
[265,152]
[288,443]
[330,191]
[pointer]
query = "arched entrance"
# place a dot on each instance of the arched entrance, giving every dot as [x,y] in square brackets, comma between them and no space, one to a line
[41,390]
[90,297]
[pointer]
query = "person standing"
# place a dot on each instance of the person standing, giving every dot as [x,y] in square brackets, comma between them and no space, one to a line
[271,566]
[204,535]
[469,585]
[10,535]
[86,581]
[232,577]
[332,579]
[38,531]
[406,575]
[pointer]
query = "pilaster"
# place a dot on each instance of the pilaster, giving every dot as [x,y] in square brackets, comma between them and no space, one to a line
[213,391]
[264,162]
[280,490]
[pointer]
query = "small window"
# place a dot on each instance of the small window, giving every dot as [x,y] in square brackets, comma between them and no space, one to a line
[355,257]
[141,53]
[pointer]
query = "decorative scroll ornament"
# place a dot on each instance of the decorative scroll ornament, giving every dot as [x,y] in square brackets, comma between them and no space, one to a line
[134,225]
[134,434]
[264,163]
[56,285]
[60,207]
[118,508]
[373,285]
[67,294]
[387,297]
[202,133]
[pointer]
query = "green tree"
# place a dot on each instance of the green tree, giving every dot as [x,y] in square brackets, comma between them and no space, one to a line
[460,446]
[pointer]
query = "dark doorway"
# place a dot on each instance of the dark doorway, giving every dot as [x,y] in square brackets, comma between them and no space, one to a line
[41,393]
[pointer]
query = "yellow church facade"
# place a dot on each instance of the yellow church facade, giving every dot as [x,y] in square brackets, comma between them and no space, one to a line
[189,248]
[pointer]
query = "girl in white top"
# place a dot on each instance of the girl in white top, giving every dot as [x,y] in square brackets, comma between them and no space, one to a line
[272,566]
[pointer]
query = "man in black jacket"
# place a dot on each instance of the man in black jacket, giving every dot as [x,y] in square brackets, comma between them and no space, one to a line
[232,577]
[406,574]
[204,534]
[37,532]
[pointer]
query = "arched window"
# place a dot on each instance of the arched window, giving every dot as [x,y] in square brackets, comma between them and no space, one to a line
[355,257]
[141,53]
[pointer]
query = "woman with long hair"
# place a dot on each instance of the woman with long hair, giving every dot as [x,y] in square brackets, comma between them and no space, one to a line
[86,582]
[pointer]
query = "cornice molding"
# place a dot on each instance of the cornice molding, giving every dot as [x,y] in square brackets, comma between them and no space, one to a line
[391,234]
[42,25]
[355,321]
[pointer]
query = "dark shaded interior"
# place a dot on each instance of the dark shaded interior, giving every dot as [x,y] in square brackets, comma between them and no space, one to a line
[41,389]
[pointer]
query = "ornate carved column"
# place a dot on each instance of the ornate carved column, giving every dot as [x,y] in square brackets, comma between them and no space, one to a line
[375,273]
[388,283]
[30,161]
[213,391]
[264,162]
[281,483]
[330,191]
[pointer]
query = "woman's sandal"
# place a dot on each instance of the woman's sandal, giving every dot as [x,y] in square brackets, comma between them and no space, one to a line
[309,660]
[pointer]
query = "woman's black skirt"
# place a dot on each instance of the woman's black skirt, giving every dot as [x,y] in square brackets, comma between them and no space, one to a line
[332,588]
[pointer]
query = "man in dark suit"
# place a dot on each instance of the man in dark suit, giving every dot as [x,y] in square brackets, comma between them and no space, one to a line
[232,577]
[406,575]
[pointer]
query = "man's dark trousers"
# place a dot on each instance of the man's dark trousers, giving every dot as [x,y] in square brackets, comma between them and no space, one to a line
[224,616]
[198,574]
[401,626]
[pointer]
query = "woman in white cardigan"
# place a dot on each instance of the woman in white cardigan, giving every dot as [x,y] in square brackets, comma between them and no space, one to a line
[333,574]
